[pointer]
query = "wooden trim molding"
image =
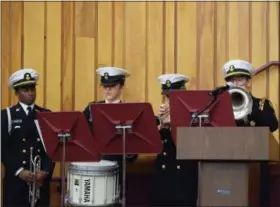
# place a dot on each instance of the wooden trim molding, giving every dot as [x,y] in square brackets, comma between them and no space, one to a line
[267,66]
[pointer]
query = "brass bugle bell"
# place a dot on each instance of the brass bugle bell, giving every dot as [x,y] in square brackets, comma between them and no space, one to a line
[242,102]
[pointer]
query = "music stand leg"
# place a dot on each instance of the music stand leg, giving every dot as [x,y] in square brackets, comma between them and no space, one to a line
[62,173]
[199,172]
[124,170]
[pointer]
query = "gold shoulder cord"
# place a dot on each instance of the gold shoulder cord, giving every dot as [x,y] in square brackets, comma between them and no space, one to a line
[261,104]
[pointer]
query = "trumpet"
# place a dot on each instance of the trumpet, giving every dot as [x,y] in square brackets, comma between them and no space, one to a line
[34,190]
[242,102]
[164,119]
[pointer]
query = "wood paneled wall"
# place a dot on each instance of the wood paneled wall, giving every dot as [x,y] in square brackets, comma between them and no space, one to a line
[65,42]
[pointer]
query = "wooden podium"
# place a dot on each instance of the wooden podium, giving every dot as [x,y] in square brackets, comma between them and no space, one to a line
[223,154]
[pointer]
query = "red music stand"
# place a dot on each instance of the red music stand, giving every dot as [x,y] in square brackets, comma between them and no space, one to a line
[67,138]
[184,105]
[125,128]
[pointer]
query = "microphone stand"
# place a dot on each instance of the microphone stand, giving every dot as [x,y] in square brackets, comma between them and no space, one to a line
[214,96]
[208,105]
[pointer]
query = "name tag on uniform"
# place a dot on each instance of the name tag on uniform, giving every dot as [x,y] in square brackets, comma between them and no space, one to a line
[17,121]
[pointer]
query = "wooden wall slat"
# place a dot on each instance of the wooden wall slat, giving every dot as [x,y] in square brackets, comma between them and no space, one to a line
[222,40]
[118,34]
[206,45]
[154,51]
[84,75]
[85,19]
[68,49]
[5,53]
[169,37]
[135,50]
[53,56]
[187,42]
[17,42]
[104,45]
[33,50]
[239,30]
[84,54]
[118,24]
[259,46]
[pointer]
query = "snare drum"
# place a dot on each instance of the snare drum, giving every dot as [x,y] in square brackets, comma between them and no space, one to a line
[93,183]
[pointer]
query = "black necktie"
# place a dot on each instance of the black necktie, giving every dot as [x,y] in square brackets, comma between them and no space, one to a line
[29,109]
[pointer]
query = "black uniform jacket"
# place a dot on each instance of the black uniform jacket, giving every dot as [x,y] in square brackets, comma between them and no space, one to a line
[263,115]
[116,158]
[15,154]
[175,180]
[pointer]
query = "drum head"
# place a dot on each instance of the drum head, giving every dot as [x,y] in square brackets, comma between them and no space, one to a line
[101,163]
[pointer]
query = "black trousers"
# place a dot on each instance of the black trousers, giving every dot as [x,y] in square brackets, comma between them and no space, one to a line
[175,187]
[16,192]
[264,184]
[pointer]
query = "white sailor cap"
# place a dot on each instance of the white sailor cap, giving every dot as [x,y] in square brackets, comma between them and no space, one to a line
[172,82]
[23,77]
[112,75]
[237,67]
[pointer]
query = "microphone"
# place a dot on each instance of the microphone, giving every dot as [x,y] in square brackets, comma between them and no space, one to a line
[217,91]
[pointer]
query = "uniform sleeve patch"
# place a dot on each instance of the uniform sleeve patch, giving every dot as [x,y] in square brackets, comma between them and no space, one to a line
[271,104]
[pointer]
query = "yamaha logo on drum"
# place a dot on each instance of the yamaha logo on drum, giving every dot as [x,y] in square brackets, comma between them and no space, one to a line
[87,187]
[76,182]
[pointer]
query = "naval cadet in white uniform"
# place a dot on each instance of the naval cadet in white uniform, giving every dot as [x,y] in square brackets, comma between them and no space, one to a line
[175,181]
[19,134]
[112,81]
[240,73]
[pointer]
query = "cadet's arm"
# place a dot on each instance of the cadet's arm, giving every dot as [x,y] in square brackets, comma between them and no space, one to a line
[9,160]
[88,117]
[268,117]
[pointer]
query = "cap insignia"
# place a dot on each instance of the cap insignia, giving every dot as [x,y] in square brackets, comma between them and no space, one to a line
[106,76]
[27,76]
[231,68]
[168,83]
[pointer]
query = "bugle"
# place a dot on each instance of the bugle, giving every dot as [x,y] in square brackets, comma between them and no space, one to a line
[242,102]
[34,189]
[164,119]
